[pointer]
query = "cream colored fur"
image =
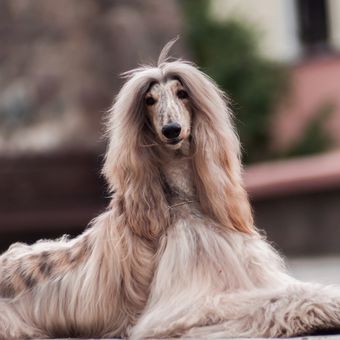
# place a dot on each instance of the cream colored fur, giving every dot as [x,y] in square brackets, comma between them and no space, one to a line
[176,253]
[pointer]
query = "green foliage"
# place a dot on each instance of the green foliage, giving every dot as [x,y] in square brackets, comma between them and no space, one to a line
[227,51]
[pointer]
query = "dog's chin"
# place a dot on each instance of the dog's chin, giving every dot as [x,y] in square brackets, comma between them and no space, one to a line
[174,144]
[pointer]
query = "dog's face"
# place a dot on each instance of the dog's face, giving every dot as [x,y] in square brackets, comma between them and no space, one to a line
[168,109]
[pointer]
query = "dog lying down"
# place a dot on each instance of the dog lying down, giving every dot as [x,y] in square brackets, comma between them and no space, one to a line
[176,253]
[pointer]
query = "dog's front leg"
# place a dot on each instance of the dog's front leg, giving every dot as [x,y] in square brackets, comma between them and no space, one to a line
[295,310]
[289,311]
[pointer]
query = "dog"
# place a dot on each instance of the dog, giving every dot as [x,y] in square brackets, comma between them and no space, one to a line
[176,253]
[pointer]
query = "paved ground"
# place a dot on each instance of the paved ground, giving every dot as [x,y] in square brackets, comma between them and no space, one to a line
[318,269]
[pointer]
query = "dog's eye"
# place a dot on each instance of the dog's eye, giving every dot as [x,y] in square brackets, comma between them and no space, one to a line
[150,101]
[181,94]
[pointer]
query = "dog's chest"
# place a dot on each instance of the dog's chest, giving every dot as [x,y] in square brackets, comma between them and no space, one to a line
[179,181]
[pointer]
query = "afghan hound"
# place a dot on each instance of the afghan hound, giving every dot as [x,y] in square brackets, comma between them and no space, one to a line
[176,254]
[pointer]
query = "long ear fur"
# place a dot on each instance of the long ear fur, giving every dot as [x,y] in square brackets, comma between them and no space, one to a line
[216,151]
[130,166]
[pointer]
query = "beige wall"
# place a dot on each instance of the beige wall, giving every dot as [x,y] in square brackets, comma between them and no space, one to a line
[334,19]
[275,20]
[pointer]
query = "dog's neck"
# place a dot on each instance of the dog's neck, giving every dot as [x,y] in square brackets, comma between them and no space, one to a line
[177,173]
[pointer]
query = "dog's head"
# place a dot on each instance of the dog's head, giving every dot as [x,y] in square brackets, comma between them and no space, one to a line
[157,109]
[169,110]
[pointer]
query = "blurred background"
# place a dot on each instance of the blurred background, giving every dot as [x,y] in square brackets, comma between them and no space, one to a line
[279,61]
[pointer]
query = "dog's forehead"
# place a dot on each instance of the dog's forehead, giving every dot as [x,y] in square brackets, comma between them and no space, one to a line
[169,84]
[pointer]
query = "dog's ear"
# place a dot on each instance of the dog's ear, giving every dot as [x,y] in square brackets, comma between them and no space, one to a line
[216,152]
[130,166]
[218,181]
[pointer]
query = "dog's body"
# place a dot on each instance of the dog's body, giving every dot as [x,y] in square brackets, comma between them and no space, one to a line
[176,253]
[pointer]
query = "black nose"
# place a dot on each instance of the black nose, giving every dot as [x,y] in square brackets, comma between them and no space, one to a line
[171,130]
